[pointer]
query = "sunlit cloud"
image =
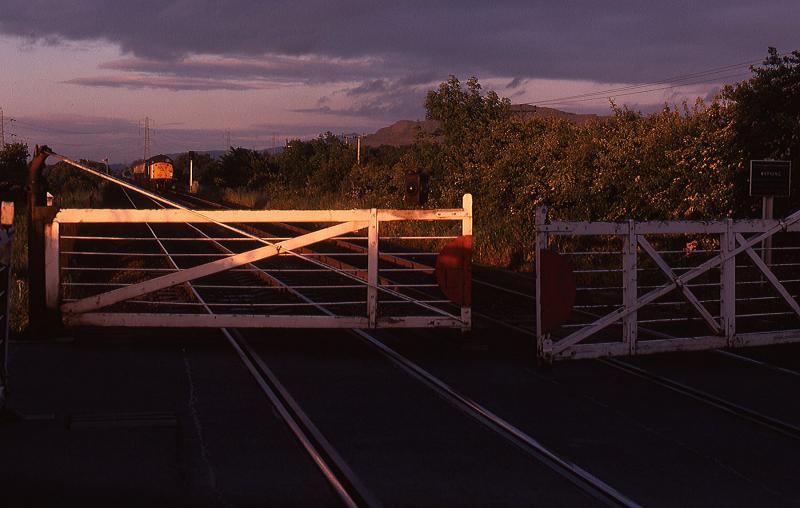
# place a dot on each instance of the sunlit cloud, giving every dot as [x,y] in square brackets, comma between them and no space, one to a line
[165,83]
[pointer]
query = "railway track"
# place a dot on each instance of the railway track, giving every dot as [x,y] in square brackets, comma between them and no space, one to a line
[737,409]
[764,420]
[706,397]
[337,473]
[516,435]
[400,426]
[333,465]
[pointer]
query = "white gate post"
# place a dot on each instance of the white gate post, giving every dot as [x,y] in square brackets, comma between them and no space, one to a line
[51,265]
[630,288]
[466,230]
[372,268]
[542,349]
[727,276]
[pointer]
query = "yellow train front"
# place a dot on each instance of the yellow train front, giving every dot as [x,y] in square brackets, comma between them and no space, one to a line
[156,172]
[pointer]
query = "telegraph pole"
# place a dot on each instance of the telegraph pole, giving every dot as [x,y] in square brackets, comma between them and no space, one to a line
[146,137]
[2,130]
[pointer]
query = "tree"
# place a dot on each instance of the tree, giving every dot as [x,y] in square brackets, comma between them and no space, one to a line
[13,171]
[321,163]
[239,167]
[201,163]
[63,177]
[464,111]
[765,115]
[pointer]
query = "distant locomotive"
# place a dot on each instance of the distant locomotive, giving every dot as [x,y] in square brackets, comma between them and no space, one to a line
[156,172]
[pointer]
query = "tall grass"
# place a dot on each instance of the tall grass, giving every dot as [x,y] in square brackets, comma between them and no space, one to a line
[18,284]
[76,197]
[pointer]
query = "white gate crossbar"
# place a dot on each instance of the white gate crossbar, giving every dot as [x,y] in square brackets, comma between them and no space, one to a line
[220,265]
[687,293]
[770,276]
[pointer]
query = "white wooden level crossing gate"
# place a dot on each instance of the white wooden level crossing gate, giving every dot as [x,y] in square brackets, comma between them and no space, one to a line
[112,307]
[658,286]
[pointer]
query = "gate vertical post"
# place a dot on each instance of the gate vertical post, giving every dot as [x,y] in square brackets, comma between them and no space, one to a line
[466,230]
[40,216]
[727,277]
[630,288]
[542,341]
[372,268]
[6,254]
[51,265]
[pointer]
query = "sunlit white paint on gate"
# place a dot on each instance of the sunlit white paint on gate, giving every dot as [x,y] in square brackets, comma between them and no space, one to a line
[84,311]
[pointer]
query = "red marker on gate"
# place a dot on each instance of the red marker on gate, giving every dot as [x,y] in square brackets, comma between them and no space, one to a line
[454,270]
[558,290]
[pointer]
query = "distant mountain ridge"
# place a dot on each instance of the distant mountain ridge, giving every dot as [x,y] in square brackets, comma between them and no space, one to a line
[526,111]
[406,132]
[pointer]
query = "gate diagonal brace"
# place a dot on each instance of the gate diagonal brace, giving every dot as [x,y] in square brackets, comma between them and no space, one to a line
[687,293]
[118,295]
[770,276]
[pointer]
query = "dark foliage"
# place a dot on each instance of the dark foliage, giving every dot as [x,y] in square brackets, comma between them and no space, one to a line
[13,172]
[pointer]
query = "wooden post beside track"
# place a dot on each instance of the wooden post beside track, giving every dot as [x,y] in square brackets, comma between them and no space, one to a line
[466,230]
[630,287]
[543,344]
[372,268]
[40,230]
[727,296]
[6,250]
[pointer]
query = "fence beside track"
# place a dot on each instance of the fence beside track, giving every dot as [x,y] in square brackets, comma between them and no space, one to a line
[694,285]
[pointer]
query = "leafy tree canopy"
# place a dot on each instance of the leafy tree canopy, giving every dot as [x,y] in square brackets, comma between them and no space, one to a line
[765,113]
[462,111]
[13,171]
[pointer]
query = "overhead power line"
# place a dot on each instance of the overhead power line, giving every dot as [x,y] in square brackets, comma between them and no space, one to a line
[717,73]
[649,90]
[42,128]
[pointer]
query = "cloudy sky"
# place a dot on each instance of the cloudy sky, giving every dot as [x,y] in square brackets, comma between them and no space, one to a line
[81,75]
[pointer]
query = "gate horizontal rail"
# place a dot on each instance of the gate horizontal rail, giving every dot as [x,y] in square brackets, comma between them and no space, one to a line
[714,290]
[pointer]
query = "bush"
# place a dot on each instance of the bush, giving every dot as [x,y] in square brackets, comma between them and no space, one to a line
[682,162]
[13,172]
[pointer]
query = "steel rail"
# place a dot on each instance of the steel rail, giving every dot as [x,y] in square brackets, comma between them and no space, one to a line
[754,361]
[718,402]
[725,405]
[579,477]
[337,473]
[775,424]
